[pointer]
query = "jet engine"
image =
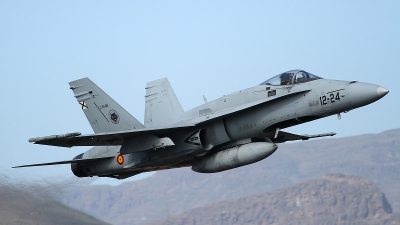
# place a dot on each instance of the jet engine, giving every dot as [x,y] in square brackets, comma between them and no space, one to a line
[234,157]
[77,168]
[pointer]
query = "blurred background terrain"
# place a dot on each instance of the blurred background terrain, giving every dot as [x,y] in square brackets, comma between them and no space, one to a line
[375,157]
[204,48]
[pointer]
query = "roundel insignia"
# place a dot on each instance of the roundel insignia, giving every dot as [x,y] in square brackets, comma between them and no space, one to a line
[120,159]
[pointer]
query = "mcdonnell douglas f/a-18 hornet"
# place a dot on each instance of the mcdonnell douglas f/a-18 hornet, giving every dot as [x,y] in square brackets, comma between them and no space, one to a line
[232,131]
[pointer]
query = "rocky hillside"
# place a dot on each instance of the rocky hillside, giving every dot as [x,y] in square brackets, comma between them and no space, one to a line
[373,156]
[332,199]
[25,207]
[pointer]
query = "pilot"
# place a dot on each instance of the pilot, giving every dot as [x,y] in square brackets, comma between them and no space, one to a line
[286,78]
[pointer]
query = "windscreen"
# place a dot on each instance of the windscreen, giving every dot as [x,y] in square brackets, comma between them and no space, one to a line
[291,77]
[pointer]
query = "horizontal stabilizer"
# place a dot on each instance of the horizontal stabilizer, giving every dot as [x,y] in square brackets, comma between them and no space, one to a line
[285,136]
[66,162]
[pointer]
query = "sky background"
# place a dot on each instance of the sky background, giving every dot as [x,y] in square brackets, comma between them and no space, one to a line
[209,48]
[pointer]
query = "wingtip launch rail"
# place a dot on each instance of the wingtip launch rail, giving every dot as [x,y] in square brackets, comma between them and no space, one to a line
[51,137]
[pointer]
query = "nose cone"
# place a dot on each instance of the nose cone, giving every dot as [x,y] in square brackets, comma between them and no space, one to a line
[381,91]
[361,94]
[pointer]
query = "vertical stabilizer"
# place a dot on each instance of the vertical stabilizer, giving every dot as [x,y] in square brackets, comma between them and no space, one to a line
[161,103]
[103,113]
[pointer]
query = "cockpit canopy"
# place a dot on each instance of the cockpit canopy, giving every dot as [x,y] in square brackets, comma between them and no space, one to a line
[291,77]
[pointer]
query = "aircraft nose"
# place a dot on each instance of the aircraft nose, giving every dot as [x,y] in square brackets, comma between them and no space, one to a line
[361,94]
[381,91]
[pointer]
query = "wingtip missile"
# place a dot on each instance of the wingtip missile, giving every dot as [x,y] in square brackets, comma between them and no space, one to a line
[74,134]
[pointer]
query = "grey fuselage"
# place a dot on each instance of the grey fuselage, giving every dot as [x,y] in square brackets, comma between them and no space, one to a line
[251,113]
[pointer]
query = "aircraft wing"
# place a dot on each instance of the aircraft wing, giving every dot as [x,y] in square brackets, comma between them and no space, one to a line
[117,138]
[103,139]
[66,162]
[286,136]
[226,112]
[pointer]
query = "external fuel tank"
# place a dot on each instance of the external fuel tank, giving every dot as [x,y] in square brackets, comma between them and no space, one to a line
[235,157]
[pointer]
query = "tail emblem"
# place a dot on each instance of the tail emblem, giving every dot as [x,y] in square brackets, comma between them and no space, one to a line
[114,117]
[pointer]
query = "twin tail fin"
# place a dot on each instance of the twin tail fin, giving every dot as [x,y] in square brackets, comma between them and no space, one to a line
[103,113]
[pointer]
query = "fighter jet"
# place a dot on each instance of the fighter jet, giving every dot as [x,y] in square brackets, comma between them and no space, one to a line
[232,131]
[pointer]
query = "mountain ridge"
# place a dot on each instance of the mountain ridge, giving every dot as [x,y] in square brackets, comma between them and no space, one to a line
[23,204]
[373,156]
[331,199]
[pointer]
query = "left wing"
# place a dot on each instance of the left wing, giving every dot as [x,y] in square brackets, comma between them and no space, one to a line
[229,111]
[117,138]
[104,139]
